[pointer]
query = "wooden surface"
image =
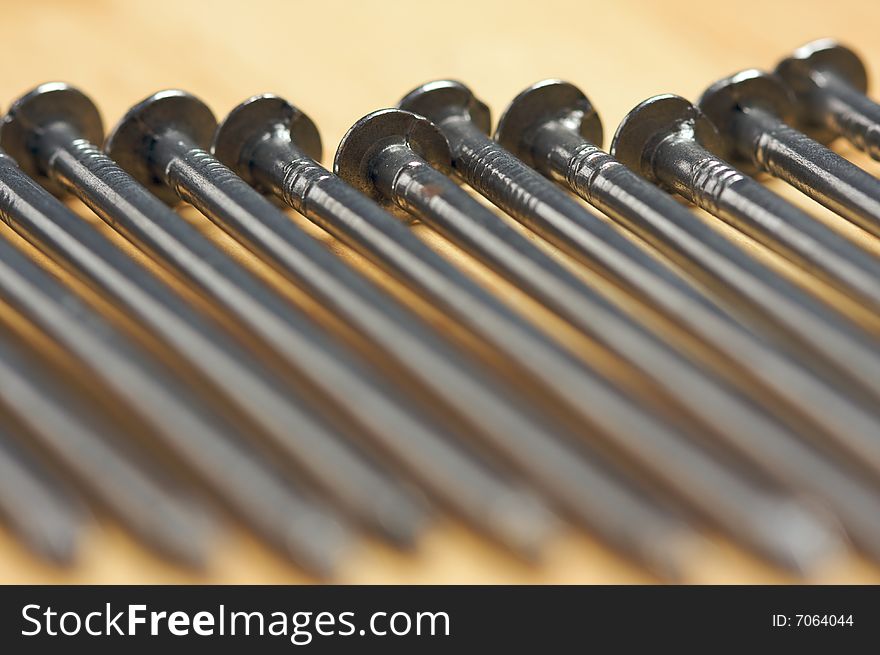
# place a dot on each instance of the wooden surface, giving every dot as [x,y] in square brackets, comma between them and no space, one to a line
[338,61]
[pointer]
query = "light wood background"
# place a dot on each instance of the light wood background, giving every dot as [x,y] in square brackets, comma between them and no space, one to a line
[338,61]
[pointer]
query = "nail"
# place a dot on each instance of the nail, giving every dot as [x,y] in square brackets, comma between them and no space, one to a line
[258,139]
[663,139]
[175,125]
[830,81]
[553,127]
[249,484]
[586,478]
[531,199]
[270,155]
[126,481]
[36,505]
[510,184]
[54,129]
[399,159]
[847,423]
[551,124]
[754,112]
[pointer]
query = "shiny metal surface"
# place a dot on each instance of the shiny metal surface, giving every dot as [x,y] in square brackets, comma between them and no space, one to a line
[830,81]
[384,240]
[673,125]
[541,449]
[400,160]
[246,481]
[668,140]
[557,141]
[440,459]
[60,123]
[754,112]
[538,204]
[553,141]
[275,162]
[567,477]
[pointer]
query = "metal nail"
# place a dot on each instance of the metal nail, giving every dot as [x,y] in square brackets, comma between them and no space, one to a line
[662,138]
[553,127]
[830,82]
[276,162]
[60,125]
[248,483]
[754,112]
[409,342]
[533,200]
[537,203]
[849,424]
[452,471]
[400,160]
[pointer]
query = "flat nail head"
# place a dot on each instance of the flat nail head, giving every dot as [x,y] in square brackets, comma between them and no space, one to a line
[130,142]
[654,119]
[443,99]
[822,56]
[258,118]
[541,103]
[53,102]
[749,88]
[373,133]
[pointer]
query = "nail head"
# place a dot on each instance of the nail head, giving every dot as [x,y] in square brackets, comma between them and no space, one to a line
[258,118]
[653,119]
[383,128]
[130,142]
[542,102]
[724,99]
[445,98]
[45,105]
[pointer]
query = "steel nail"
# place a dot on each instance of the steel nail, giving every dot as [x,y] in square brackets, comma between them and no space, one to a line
[553,127]
[648,124]
[274,160]
[533,200]
[176,125]
[830,82]
[662,138]
[337,287]
[60,126]
[248,483]
[400,160]
[754,112]
[537,203]
[265,132]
